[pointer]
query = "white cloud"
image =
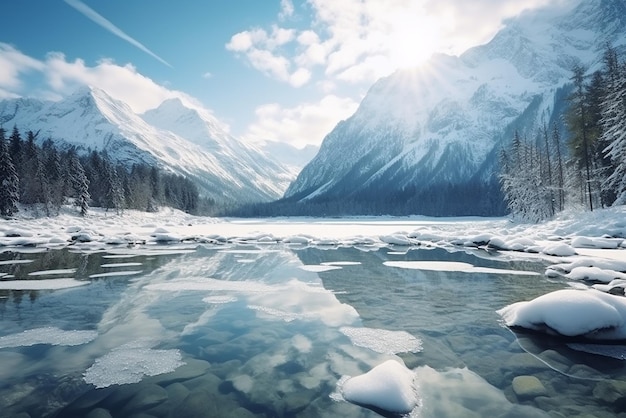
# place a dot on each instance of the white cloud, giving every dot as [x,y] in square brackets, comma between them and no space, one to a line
[13,64]
[207,75]
[359,41]
[61,77]
[286,9]
[307,123]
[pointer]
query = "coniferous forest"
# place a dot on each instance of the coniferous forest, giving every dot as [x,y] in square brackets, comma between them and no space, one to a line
[583,165]
[45,178]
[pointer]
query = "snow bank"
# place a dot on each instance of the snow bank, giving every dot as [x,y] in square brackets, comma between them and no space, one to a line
[572,313]
[389,386]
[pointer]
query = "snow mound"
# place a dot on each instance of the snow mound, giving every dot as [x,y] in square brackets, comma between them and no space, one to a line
[389,386]
[588,314]
[383,341]
[47,335]
[129,363]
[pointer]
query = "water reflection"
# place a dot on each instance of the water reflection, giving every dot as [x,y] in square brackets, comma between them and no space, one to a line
[269,331]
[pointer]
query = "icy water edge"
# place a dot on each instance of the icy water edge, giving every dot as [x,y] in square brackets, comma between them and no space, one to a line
[272,330]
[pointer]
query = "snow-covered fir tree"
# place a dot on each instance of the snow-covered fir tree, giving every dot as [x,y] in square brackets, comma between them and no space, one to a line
[9,181]
[79,183]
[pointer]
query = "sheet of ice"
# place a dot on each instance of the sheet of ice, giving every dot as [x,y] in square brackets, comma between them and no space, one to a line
[606,350]
[10,262]
[454,266]
[319,268]
[383,341]
[50,284]
[130,363]
[115,274]
[52,272]
[389,386]
[112,265]
[219,299]
[208,284]
[571,312]
[341,263]
[47,335]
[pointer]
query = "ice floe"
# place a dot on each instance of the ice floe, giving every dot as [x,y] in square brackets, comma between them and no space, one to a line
[47,335]
[383,341]
[49,284]
[454,266]
[130,363]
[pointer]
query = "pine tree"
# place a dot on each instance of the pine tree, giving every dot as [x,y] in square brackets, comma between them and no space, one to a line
[614,122]
[9,181]
[79,183]
[578,124]
[556,141]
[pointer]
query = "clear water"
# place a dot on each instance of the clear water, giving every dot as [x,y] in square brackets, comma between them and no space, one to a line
[259,331]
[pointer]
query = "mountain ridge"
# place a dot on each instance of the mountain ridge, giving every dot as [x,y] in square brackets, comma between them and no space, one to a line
[224,168]
[419,132]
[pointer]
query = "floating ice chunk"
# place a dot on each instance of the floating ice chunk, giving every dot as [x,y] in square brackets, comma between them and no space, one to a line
[129,363]
[219,299]
[383,341]
[47,335]
[389,386]
[50,284]
[573,313]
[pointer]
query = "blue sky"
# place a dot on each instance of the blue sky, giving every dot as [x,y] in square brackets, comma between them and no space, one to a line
[283,70]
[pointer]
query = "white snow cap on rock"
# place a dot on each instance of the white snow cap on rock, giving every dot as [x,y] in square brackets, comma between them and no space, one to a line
[389,386]
[572,313]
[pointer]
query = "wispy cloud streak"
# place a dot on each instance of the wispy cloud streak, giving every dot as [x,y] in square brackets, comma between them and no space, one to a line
[106,24]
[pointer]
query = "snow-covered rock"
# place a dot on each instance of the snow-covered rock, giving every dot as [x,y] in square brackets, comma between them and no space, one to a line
[587,314]
[388,386]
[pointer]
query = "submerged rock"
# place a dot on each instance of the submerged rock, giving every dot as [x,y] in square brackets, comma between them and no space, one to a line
[528,387]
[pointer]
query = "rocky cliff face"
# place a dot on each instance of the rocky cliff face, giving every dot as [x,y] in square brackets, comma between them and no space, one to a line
[427,137]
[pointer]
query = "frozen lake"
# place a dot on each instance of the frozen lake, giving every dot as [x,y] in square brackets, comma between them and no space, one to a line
[273,330]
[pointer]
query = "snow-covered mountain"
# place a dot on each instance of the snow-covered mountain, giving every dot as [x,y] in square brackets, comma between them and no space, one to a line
[184,140]
[292,157]
[429,136]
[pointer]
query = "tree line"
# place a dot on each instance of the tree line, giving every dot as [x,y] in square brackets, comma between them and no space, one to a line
[45,178]
[579,161]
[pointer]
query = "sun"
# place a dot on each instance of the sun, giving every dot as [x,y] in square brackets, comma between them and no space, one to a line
[413,39]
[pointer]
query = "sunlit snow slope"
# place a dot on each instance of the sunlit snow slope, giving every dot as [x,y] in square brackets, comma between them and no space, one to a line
[435,131]
[178,138]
